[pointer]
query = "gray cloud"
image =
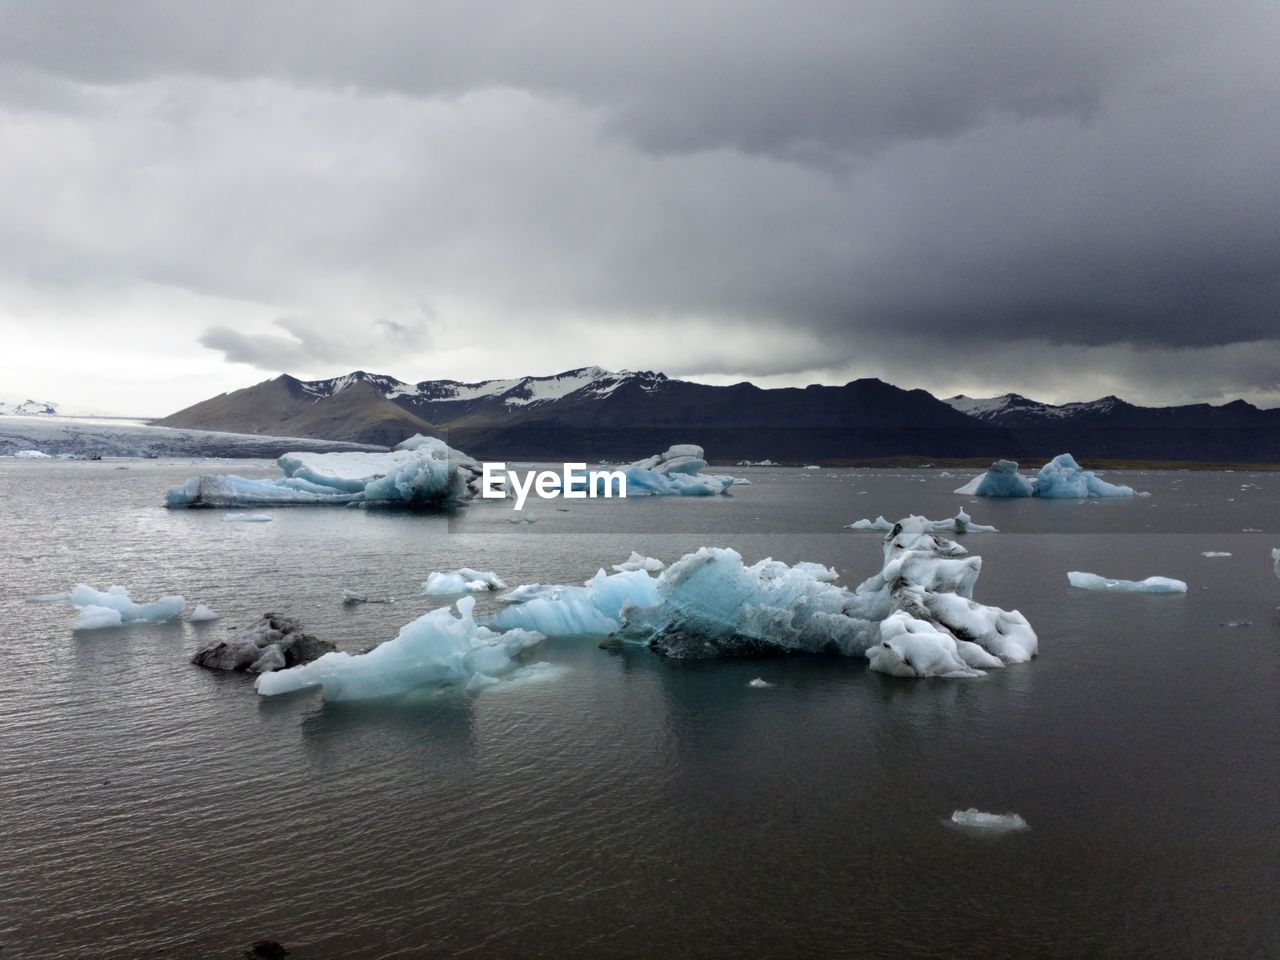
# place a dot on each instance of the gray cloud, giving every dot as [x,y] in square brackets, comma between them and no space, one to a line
[725,189]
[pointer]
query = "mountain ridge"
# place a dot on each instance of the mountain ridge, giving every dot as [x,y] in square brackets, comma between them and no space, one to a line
[592,412]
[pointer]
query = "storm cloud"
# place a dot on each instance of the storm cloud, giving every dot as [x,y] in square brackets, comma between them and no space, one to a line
[1061,199]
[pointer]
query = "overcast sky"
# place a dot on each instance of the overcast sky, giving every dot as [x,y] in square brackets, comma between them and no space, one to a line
[1064,199]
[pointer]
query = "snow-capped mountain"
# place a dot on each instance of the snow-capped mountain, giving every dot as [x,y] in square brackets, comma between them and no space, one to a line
[28,408]
[590,412]
[595,413]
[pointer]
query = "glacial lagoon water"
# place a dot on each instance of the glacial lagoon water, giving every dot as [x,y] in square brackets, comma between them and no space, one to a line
[623,805]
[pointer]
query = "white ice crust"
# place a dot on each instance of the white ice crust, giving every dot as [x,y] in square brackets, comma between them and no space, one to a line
[438,650]
[915,618]
[422,471]
[1092,581]
[975,819]
[960,523]
[462,580]
[1061,478]
[113,608]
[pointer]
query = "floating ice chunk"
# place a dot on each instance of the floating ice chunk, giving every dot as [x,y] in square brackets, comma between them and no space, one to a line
[113,608]
[32,455]
[711,603]
[637,562]
[1002,479]
[202,613]
[593,609]
[813,466]
[992,822]
[422,471]
[760,683]
[1215,553]
[462,580]
[1060,478]
[960,523]
[436,650]
[1091,581]
[1063,478]
[247,518]
[675,472]
[1275,555]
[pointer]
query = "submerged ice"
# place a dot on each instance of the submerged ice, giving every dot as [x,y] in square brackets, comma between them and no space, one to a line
[421,471]
[1060,478]
[916,617]
[437,650]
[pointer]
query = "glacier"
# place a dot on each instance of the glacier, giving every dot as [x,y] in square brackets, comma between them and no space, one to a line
[437,650]
[1092,581]
[914,618]
[421,471]
[462,580]
[960,523]
[1061,478]
[113,608]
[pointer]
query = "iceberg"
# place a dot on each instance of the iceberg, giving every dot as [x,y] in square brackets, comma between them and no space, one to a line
[1060,478]
[915,618]
[960,523]
[421,471]
[462,580]
[675,472]
[113,608]
[437,650]
[991,822]
[1091,581]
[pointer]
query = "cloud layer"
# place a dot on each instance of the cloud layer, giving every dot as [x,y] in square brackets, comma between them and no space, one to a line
[1033,196]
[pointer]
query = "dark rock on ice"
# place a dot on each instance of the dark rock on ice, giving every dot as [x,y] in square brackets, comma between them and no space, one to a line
[273,643]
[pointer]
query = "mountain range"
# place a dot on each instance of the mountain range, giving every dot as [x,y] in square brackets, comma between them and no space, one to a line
[593,413]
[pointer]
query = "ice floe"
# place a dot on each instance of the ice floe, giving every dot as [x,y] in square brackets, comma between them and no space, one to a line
[960,523]
[421,471]
[113,608]
[1060,478]
[1092,581]
[462,580]
[436,650]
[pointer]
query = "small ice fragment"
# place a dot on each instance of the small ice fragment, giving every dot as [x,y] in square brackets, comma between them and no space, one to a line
[462,580]
[1237,623]
[202,613]
[522,520]
[638,562]
[760,683]
[1215,553]
[247,518]
[994,822]
[351,598]
[1092,581]
[1275,555]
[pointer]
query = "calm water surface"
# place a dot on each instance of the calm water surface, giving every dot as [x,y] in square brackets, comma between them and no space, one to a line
[626,805]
